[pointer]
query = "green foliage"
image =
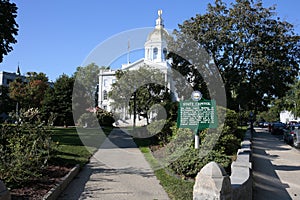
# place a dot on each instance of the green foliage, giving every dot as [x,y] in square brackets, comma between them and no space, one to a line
[230,139]
[24,149]
[58,100]
[6,103]
[105,118]
[229,144]
[88,120]
[86,81]
[29,94]
[191,163]
[94,119]
[145,87]
[290,102]
[8,27]
[256,52]
[162,130]
[175,187]
[187,161]
[271,115]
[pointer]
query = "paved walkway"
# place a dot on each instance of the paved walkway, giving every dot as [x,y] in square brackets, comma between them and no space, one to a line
[118,170]
[276,168]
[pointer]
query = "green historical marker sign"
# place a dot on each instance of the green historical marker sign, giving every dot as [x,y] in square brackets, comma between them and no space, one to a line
[197,115]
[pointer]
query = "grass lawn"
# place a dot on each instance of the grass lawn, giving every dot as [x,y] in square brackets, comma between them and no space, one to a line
[76,146]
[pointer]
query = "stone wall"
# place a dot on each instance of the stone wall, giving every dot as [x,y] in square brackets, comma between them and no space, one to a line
[212,182]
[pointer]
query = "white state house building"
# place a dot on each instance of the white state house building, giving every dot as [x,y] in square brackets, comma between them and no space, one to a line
[155,52]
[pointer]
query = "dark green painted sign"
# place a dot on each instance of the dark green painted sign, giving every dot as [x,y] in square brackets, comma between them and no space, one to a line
[197,115]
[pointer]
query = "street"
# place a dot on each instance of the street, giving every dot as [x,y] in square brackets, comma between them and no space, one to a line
[276,168]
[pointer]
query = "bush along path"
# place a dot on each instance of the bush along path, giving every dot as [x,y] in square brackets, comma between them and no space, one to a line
[181,161]
[25,150]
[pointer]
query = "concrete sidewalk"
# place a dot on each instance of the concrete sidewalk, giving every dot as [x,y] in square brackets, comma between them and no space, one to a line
[118,170]
[276,168]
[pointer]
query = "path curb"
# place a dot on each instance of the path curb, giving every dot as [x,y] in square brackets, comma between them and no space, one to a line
[58,189]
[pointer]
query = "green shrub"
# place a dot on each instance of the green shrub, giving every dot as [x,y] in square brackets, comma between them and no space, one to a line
[189,164]
[230,139]
[94,119]
[231,120]
[105,118]
[229,144]
[24,149]
[88,120]
[166,132]
[187,161]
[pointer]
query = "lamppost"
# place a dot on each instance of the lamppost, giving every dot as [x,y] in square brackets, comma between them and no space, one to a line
[134,109]
[251,116]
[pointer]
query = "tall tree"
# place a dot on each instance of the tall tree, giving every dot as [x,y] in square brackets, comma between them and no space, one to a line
[58,100]
[256,53]
[29,94]
[86,79]
[291,101]
[143,88]
[8,27]
[85,89]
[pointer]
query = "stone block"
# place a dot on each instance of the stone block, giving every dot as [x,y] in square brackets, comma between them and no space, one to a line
[212,183]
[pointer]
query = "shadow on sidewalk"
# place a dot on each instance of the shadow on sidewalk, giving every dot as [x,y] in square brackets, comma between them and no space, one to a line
[267,184]
[117,157]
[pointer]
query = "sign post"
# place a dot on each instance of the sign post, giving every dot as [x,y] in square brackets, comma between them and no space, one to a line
[197,115]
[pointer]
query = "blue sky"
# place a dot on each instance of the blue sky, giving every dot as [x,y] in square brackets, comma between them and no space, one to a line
[56,36]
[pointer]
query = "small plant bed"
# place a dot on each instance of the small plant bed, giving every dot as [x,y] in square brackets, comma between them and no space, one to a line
[37,189]
[67,151]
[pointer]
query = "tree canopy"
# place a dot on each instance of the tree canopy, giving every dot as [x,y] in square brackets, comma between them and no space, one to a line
[58,100]
[148,86]
[29,94]
[86,80]
[256,52]
[8,27]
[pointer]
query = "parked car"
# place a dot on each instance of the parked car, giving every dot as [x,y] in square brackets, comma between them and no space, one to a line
[278,128]
[260,124]
[266,124]
[296,138]
[288,134]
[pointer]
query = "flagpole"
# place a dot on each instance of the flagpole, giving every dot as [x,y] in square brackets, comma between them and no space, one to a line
[128,54]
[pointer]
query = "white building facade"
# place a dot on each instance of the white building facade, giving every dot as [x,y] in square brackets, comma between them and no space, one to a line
[154,56]
[287,116]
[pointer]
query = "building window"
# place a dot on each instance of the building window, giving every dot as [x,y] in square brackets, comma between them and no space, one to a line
[104,95]
[105,83]
[165,54]
[155,52]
